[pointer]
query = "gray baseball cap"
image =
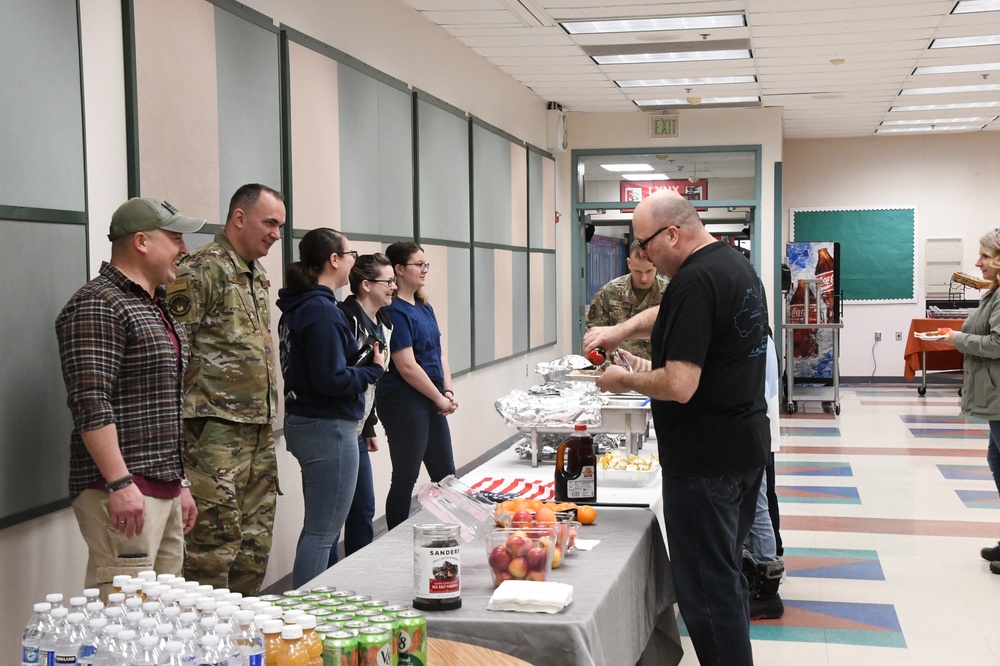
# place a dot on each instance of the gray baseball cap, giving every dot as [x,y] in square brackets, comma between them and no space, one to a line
[144,214]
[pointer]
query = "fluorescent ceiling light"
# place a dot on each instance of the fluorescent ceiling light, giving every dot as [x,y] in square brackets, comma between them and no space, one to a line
[695,81]
[645,176]
[955,42]
[944,90]
[972,6]
[672,56]
[626,167]
[927,128]
[704,101]
[654,24]
[959,69]
[946,107]
[939,121]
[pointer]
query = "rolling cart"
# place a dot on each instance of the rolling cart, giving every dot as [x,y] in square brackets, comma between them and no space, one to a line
[825,394]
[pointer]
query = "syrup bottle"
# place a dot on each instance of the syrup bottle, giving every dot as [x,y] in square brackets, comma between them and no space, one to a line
[576,468]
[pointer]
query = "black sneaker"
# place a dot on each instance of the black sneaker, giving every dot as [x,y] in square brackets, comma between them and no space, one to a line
[995,568]
[991,554]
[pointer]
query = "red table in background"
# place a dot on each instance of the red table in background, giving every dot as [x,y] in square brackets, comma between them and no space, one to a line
[923,355]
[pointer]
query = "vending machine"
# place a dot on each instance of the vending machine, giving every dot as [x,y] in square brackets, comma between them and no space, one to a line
[815,273]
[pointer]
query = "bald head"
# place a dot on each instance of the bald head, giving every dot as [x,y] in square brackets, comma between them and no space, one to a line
[669,227]
[668,207]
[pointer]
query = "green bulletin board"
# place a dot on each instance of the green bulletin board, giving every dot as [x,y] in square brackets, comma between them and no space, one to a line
[877,249]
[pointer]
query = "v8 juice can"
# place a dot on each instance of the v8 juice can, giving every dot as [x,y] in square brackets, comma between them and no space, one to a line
[412,638]
[375,647]
[340,648]
[389,623]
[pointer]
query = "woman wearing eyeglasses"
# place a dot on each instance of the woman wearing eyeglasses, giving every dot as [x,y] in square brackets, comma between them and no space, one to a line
[372,284]
[415,396]
[324,392]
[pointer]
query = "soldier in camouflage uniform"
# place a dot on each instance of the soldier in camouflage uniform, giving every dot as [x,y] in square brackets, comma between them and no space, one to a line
[221,296]
[628,295]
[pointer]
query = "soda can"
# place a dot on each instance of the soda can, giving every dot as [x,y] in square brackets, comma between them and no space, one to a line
[270,598]
[325,590]
[394,609]
[341,594]
[340,649]
[313,598]
[294,594]
[348,608]
[358,599]
[287,603]
[323,630]
[412,639]
[354,626]
[375,646]
[392,625]
[377,604]
[366,613]
[308,608]
[338,619]
[321,614]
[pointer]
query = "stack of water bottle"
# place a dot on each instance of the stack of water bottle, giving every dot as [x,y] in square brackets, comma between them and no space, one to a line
[160,619]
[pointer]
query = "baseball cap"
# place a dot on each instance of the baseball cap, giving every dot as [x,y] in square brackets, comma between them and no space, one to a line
[144,214]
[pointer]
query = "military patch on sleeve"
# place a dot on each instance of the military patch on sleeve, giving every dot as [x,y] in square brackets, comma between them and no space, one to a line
[179,305]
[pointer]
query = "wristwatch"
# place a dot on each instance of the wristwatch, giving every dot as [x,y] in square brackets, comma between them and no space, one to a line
[185,483]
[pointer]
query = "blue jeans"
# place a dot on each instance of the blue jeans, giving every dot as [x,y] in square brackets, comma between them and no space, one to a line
[416,434]
[327,451]
[359,530]
[993,452]
[708,519]
[761,540]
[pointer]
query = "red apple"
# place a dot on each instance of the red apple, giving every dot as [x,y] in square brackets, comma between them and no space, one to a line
[518,544]
[518,567]
[536,557]
[500,558]
[501,576]
[557,557]
[522,518]
[536,574]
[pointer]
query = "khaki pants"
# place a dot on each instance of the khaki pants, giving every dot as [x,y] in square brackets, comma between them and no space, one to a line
[160,547]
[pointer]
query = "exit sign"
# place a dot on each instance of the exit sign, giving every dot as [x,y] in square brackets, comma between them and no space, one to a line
[663,127]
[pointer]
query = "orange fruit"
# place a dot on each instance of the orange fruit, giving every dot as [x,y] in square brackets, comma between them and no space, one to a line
[586,515]
[545,515]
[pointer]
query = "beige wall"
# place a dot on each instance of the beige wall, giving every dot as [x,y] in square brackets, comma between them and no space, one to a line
[949,178]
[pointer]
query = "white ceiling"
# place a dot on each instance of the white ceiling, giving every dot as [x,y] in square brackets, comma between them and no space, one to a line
[792,43]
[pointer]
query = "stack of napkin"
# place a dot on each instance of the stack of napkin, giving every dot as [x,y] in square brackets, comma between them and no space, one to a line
[531,596]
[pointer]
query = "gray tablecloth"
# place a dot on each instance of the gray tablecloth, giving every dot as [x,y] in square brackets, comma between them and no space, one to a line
[622,610]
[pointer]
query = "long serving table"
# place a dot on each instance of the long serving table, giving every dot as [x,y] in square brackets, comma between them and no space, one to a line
[623,596]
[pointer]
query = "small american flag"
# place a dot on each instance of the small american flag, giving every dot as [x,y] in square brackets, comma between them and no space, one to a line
[525,488]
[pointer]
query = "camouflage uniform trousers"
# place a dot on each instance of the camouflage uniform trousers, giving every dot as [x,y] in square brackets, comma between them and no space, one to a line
[234,480]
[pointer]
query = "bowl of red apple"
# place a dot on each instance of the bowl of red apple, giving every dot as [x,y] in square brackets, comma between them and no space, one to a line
[521,553]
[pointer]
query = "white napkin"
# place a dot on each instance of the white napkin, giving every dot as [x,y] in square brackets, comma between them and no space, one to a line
[587,544]
[529,596]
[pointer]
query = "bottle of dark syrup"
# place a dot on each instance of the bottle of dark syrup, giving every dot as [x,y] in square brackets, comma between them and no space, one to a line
[576,468]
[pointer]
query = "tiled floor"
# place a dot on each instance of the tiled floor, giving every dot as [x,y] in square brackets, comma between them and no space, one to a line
[884,509]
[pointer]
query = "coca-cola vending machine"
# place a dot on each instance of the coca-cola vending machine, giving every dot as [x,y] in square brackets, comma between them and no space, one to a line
[813,347]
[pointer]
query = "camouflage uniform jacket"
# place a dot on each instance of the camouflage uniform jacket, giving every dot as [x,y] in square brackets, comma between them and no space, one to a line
[224,305]
[616,302]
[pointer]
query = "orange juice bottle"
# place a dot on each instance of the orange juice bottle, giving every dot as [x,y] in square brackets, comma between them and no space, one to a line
[314,646]
[272,641]
[293,650]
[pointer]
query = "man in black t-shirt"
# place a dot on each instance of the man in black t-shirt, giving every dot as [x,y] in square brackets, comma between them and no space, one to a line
[706,381]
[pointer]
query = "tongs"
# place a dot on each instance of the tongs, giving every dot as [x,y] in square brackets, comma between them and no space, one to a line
[621,360]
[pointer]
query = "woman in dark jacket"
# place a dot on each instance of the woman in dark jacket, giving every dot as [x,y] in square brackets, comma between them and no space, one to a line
[372,285]
[979,342]
[324,392]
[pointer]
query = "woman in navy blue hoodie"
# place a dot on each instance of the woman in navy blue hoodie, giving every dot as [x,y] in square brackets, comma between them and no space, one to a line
[324,392]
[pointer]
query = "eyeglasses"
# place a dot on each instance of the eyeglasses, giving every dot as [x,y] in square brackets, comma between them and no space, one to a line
[353,253]
[423,265]
[643,244]
[388,281]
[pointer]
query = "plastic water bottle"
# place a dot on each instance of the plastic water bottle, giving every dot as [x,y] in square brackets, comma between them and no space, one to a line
[107,646]
[67,643]
[225,614]
[127,652]
[171,615]
[171,655]
[115,615]
[92,594]
[56,599]
[95,609]
[227,645]
[116,599]
[37,625]
[148,652]
[164,632]
[47,641]
[190,649]
[92,641]
[78,605]
[249,640]
[211,653]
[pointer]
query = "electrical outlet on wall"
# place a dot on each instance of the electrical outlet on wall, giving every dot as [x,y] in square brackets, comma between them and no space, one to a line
[878,336]
[899,336]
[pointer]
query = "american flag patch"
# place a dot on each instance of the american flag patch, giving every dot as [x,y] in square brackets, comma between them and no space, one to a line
[524,488]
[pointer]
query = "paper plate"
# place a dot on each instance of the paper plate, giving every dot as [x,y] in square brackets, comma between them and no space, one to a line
[931,337]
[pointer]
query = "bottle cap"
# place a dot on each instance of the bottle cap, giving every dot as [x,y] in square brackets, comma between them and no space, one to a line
[147,575]
[290,615]
[243,616]
[54,598]
[291,632]
[209,639]
[259,620]
[149,641]
[92,593]
[116,598]
[579,426]
[185,634]
[272,627]
[114,612]
[59,611]
[246,603]
[95,606]
[164,629]
[150,607]
[78,601]
[173,646]
[306,621]
[128,635]
[43,607]
[223,629]
[98,622]
[76,618]
[121,580]
[166,577]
